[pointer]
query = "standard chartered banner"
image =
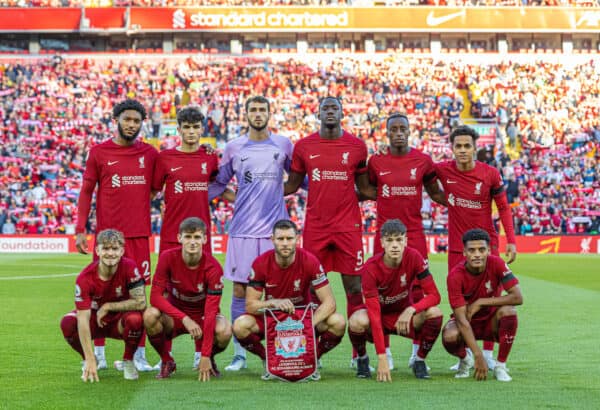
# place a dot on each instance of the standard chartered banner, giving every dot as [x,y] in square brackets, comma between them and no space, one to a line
[295,19]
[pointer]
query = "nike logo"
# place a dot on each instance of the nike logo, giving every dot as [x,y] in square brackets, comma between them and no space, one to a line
[357,269]
[384,173]
[244,159]
[314,156]
[271,285]
[112,162]
[175,169]
[449,181]
[436,21]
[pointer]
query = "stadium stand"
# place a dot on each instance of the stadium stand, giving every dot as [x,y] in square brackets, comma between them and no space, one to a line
[544,127]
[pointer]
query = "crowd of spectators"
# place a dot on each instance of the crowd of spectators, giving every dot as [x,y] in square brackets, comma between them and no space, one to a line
[358,3]
[544,116]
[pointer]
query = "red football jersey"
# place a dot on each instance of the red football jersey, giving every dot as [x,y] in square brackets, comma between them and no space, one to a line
[185,177]
[187,288]
[293,282]
[91,292]
[392,286]
[124,178]
[464,288]
[399,181]
[332,166]
[470,195]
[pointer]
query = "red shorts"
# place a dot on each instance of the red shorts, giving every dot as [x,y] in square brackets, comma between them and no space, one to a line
[337,251]
[179,328]
[111,327]
[482,329]
[137,249]
[388,322]
[416,240]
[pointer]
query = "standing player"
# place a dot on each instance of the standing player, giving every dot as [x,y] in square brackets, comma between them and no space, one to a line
[122,168]
[109,300]
[470,187]
[387,281]
[192,281]
[334,160]
[400,175]
[257,160]
[185,173]
[479,310]
[285,275]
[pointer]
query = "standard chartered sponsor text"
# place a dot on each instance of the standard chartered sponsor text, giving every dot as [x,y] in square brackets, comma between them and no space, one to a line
[196,186]
[334,175]
[404,190]
[133,180]
[269,19]
[467,203]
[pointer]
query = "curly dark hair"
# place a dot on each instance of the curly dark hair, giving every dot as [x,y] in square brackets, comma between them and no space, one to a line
[189,114]
[464,130]
[129,104]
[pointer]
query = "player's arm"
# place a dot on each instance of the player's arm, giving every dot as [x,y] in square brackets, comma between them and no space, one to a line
[466,331]
[432,298]
[211,309]
[255,305]
[513,297]
[83,210]
[90,370]
[435,192]
[327,306]
[371,298]
[506,217]
[294,181]
[365,189]
[136,301]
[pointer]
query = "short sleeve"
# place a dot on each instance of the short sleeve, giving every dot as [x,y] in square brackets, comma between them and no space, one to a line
[298,164]
[455,296]
[83,298]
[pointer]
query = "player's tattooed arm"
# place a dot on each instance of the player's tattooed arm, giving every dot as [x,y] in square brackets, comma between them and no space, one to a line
[137,301]
[435,192]
[294,181]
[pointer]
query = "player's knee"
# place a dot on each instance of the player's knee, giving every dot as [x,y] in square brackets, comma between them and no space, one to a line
[223,331]
[506,311]
[68,325]
[433,312]
[337,324]
[151,317]
[450,332]
[359,321]
[242,327]
[133,320]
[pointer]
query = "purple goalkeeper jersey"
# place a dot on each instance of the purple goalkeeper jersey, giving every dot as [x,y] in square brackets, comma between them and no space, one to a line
[258,167]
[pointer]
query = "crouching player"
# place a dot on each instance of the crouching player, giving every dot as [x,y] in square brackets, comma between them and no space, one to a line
[285,276]
[387,282]
[109,300]
[185,297]
[480,312]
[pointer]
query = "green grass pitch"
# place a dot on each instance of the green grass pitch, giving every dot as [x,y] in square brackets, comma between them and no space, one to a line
[555,362]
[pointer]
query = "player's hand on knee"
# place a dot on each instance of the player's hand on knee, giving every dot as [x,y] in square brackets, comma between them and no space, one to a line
[205,369]
[383,369]
[100,315]
[481,368]
[192,327]
[81,243]
[472,309]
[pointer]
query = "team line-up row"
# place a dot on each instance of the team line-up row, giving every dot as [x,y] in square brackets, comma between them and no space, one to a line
[329,163]
[399,297]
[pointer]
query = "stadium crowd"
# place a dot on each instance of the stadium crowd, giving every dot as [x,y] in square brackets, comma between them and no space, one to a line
[359,3]
[545,117]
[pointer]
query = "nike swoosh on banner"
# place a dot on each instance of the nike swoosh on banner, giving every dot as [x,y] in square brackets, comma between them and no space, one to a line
[436,21]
